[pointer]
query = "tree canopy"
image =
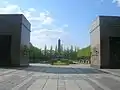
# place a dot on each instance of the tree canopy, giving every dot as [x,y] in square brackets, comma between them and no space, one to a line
[71,53]
[84,52]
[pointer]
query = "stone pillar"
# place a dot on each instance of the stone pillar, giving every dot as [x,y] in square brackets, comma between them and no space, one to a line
[15,30]
[104,38]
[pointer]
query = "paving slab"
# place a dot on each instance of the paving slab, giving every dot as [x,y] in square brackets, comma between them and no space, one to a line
[71,85]
[51,84]
[82,84]
[38,85]
[48,77]
[115,72]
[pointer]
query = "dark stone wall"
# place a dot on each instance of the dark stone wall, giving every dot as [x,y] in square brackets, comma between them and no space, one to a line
[12,24]
[25,40]
[5,50]
[110,27]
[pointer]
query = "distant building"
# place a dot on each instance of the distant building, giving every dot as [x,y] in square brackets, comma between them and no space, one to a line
[59,45]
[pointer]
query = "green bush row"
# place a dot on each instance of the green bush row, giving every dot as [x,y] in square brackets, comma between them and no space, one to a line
[65,62]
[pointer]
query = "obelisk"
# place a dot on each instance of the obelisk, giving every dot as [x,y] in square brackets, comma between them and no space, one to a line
[59,46]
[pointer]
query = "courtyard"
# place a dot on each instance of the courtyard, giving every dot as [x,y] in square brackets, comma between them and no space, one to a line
[48,77]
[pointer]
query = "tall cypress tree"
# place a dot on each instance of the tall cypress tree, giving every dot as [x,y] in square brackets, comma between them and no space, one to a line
[45,50]
[51,51]
[68,53]
[71,52]
[56,51]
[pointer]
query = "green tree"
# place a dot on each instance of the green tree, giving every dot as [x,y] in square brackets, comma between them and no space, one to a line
[71,49]
[34,54]
[45,50]
[61,49]
[51,51]
[84,52]
[71,52]
[56,51]
[68,53]
[40,54]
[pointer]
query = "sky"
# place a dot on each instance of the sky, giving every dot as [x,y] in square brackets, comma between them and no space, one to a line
[69,20]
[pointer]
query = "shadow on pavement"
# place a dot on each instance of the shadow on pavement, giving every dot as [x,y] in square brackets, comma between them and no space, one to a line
[63,70]
[57,69]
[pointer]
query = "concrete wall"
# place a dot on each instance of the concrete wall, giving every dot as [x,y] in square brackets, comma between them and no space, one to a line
[95,43]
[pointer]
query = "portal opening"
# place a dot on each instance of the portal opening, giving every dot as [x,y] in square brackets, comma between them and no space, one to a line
[5,50]
[114,52]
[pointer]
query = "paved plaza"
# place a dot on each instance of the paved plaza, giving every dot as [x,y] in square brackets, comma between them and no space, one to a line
[47,77]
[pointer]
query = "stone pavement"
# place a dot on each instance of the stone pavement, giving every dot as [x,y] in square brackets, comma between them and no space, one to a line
[115,72]
[47,77]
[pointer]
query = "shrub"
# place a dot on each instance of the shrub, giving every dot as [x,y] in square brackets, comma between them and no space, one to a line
[70,62]
[60,62]
[65,61]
